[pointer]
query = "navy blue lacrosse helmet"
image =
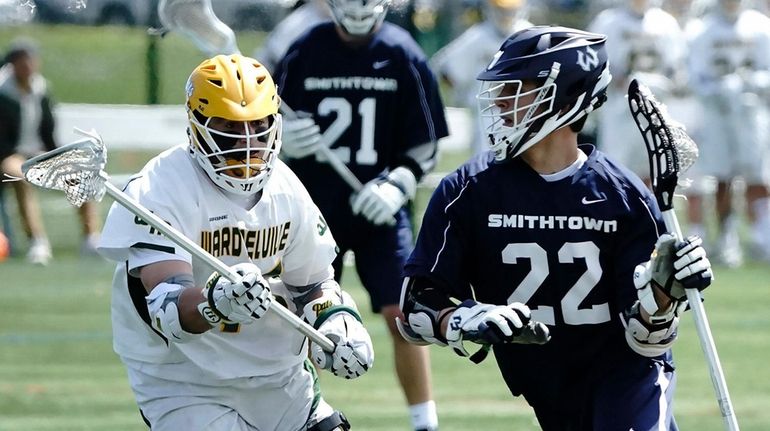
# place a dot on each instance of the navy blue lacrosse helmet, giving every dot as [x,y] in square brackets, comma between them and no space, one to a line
[542,78]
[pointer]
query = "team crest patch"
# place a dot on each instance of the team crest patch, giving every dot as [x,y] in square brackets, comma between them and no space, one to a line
[189,88]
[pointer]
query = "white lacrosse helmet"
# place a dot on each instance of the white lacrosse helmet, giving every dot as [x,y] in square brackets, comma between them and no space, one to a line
[235,127]
[504,14]
[359,17]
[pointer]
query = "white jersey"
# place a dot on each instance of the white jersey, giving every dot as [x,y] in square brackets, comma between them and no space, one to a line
[283,234]
[464,58]
[720,48]
[649,47]
[288,30]
[729,70]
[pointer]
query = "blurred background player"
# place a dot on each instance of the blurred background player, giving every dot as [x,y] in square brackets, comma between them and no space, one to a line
[303,18]
[366,85]
[643,42]
[458,63]
[542,229]
[729,73]
[204,352]
[27,129]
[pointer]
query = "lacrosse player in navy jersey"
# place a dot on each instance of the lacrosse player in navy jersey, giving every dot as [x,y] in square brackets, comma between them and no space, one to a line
[541,231]
[366,85]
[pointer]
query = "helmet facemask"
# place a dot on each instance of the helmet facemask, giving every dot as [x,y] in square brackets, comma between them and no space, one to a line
[359,17]
[515,118]
[240,158]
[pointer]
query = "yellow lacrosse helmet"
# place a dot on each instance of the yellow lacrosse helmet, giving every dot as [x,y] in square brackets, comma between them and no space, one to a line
[235,127]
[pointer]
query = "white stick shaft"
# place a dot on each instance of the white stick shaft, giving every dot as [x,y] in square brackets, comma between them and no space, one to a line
[215,263]
[706,339]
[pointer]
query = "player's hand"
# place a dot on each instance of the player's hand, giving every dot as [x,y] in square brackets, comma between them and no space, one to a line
[676,266]
[301,136]
[353,353]
[493,324]
[378,201]
[241,301]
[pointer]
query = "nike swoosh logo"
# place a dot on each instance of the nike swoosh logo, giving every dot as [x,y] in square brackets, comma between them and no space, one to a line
[380,64]
[587,201]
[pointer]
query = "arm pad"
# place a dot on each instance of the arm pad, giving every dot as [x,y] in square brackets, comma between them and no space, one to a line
[332,300]
[654,338]
[163,306]
[422,304]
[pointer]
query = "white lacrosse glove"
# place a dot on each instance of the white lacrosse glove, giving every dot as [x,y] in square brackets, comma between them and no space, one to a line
[353,353]
[493,324]
[301,136]
[241,301]
[673,267]
[379,200]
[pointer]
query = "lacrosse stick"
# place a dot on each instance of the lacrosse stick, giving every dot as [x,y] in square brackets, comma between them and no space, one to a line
[325,151]
[76,169]
[196,20]
[671,152]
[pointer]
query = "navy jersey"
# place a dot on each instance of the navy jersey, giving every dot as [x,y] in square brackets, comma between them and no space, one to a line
[379,102]
[500,233]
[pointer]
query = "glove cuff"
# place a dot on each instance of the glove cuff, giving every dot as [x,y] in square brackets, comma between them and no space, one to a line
[403,178]
[329,312]
[207,309]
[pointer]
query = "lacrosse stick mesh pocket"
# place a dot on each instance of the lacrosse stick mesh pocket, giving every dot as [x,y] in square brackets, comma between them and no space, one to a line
[74,169]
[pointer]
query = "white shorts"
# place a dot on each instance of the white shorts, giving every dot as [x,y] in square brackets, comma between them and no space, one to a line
[733,140]
[287,401]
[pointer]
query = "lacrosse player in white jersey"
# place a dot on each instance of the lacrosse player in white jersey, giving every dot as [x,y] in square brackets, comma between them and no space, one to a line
[729,71]
[643,42]
[461,60]
[203,352]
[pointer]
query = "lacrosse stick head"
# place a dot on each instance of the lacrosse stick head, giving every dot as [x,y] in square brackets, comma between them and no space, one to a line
[196,20]
[670,149]
[75,169]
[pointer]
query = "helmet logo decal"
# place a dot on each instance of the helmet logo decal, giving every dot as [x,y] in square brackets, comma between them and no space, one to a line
[588,60]
[189,88]
[495,59]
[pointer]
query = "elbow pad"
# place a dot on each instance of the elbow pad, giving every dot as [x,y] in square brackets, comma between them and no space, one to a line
[422,305]
[650,339]
[163,306]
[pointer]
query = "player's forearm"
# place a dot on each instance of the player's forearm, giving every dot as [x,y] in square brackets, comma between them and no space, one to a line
[664,305]
[189,315]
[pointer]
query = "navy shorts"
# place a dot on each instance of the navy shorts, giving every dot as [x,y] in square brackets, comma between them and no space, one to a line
[380,255]
[631,397]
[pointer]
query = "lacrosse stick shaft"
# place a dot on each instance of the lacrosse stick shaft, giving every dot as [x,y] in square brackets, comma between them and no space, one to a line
[194,249]
[705,337]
